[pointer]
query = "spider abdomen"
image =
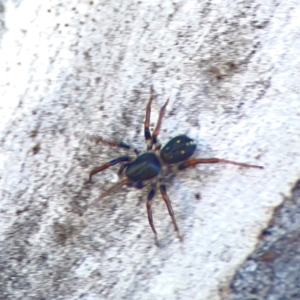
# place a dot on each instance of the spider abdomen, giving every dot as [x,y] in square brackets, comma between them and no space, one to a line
[178,149]
[145,167]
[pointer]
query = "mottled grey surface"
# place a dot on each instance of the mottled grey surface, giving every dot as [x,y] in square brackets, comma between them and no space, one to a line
[75,69]
[2,20]
[272,271]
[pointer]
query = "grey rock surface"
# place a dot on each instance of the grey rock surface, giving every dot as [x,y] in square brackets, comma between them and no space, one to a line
[2,21]
[271,272]
[74,70]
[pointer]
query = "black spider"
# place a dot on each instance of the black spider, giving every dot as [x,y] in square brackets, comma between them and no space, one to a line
[146,168]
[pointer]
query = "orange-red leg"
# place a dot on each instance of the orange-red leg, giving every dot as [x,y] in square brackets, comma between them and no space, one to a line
[113,189]
[116,144]
[158,124]
[149,210]
[213,160]
[147,121]
[165,196]
[107,165]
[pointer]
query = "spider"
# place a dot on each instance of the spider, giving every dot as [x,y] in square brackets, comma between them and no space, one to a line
[147,168]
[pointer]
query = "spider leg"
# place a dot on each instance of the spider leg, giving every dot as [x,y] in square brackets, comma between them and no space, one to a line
[107,165]
[138,185]
[158,125]
[149,210]
[165,196]
[117,144]
[113,189]
[122,168]
[213,160]
[147,121]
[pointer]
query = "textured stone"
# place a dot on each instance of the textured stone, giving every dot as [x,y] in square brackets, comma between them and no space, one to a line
[74,70]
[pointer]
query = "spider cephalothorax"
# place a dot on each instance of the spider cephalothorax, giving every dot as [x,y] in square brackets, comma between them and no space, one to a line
[146,168]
